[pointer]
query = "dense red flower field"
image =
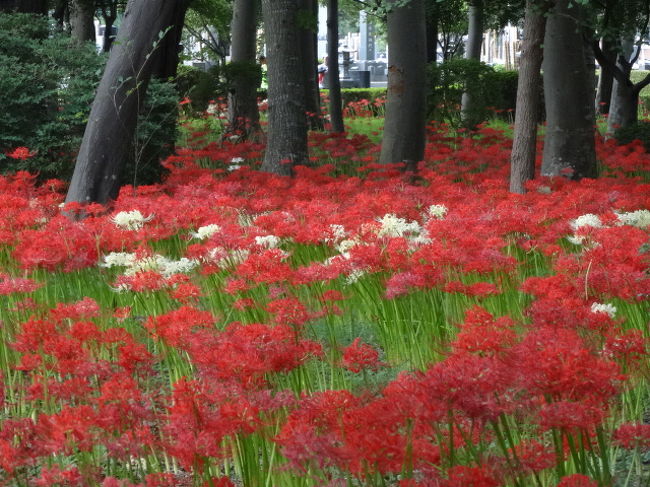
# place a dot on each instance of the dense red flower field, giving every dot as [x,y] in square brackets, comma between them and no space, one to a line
[350,326]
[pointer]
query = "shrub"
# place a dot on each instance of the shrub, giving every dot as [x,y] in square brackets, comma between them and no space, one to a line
[47,86]
[493,91]
[200,86]
[369,100]
[637,131]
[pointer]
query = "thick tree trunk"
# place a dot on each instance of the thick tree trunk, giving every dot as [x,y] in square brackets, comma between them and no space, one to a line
[623,109]
[24,6]
[243,113]
[336,104]
[569,146]
[166,54]
[309,9]
[82,20]
[606,79]
[404,126]
[522,166]
[287,129]
[110,131]
[432,34]
[473,51]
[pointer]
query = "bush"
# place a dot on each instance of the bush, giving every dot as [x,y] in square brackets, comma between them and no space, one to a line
[47,86]
[637,131]
[492,91]
[370,100]
[200,86]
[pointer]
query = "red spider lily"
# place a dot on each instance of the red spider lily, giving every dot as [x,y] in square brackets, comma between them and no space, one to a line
[633,435]
[21,153]
[359,356]
[577,480]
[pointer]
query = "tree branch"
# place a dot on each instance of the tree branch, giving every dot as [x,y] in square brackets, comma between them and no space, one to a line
[608,65]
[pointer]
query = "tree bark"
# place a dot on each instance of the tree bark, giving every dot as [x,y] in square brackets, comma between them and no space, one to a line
[287,128]
[336,104]
[166,56]
[309,9]
[432,34]
[569,146]
[24,6]
[606,78]
[109,134]
[82,20]
[109,14]
[523,155]
[243,113]
[623,109]
[473,51]
[404,126]
[522,160]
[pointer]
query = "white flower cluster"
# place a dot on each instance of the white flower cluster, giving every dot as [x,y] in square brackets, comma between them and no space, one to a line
[638,218]
[130,220]
[437,211]
[607,308]
[268,241]
[588,220]
[338,233]
[157,263]
[235,163]
[206,231]
[393,226]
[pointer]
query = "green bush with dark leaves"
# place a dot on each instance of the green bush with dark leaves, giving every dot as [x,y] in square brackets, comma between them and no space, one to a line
[47,86]
[493,91]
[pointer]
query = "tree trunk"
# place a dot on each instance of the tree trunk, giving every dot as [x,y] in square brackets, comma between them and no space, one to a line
[404,126]
[24,6]
[82,20]
[111,126]
[166,55]
[606,79]
[473,51]
[432,34]
[569,146]
[287,128]
[309,10]
[243,113]
[522,160]
[623,109]
[336,104]
[109,14]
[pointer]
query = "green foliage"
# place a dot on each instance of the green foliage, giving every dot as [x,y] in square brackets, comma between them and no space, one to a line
[353,95]
[200,86]
[47,86]
[492,91]
[637,131]
[157,131]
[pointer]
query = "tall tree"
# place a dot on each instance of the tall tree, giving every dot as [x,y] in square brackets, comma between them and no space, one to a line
[287,129]
[336,108]
[431,9]
[404,126]
[109,10]
[244,73]
[308,30]
[472,51]
[82,20]
[109,134]
[606,77]
[569,145]
[522,167]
